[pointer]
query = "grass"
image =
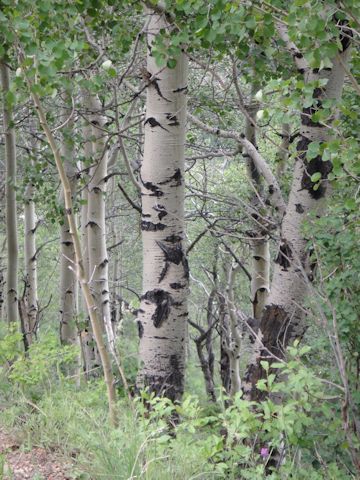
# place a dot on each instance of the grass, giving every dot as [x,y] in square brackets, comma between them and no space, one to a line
[74,424]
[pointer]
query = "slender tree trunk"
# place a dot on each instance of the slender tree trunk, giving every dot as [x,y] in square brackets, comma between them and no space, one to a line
[2,253]
[235,340]
[283,152]
[98,256]
[224,335]
[30,311]
[11,213]
[283,318]
[115,294]
[68,280]
[162,317]
[260,253]
[84,281]
[88,347]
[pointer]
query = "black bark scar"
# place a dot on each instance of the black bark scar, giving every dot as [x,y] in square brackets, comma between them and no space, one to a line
[173,239]
[177,285]
[310,167]
[140,329]
[155,82]
[284,255]
[162,301]
[299,208]
[161,209]
[172,119]
[173,254]
[152,227]
[177,178]
[154,123]
[181,89]
[156,192]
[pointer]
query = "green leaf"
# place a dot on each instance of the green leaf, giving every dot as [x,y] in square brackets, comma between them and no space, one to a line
[265,365]
[313,150]
[171,63]
[10,98]
[315,177]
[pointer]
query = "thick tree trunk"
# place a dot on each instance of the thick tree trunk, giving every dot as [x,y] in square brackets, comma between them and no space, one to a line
[68,280]
[162,317]
[283,318]
[11,213]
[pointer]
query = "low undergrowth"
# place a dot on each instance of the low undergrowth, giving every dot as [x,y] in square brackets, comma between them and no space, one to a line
[299,437]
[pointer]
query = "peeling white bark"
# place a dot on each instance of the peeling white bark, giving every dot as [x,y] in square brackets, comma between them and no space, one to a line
[162,317]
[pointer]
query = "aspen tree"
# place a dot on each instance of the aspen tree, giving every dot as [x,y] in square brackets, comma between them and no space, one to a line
[283,318]
[29,310]
[162,317]
[68,280]
[81,274]
[11,213]
[96,226]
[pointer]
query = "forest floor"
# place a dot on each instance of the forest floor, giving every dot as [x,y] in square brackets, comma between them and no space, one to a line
[35,464]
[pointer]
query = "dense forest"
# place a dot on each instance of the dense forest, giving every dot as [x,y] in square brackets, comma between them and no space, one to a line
[179,235]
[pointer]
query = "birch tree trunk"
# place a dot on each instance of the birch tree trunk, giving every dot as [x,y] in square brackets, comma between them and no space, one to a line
[283,318]
[98,256]
[88,346]
[10,194]
[2,253]
[162,317]
[68,280]
[84,281]
[30,310]
[260,253]
[283,151]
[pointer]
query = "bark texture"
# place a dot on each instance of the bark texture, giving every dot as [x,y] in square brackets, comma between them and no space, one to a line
[68,280]
[90,354]
[10,194]
[162,318]
[84,281]
[30,300]
[260,253]
[96,227]
[283,318]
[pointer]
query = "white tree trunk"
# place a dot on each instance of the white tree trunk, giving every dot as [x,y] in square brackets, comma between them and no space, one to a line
[260,253]
[98,257]
[162,318]
[11,213]
[283,151]
[68,280]
[30,312]
[90,356]
[260,275]
[283,317]
[2,256]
